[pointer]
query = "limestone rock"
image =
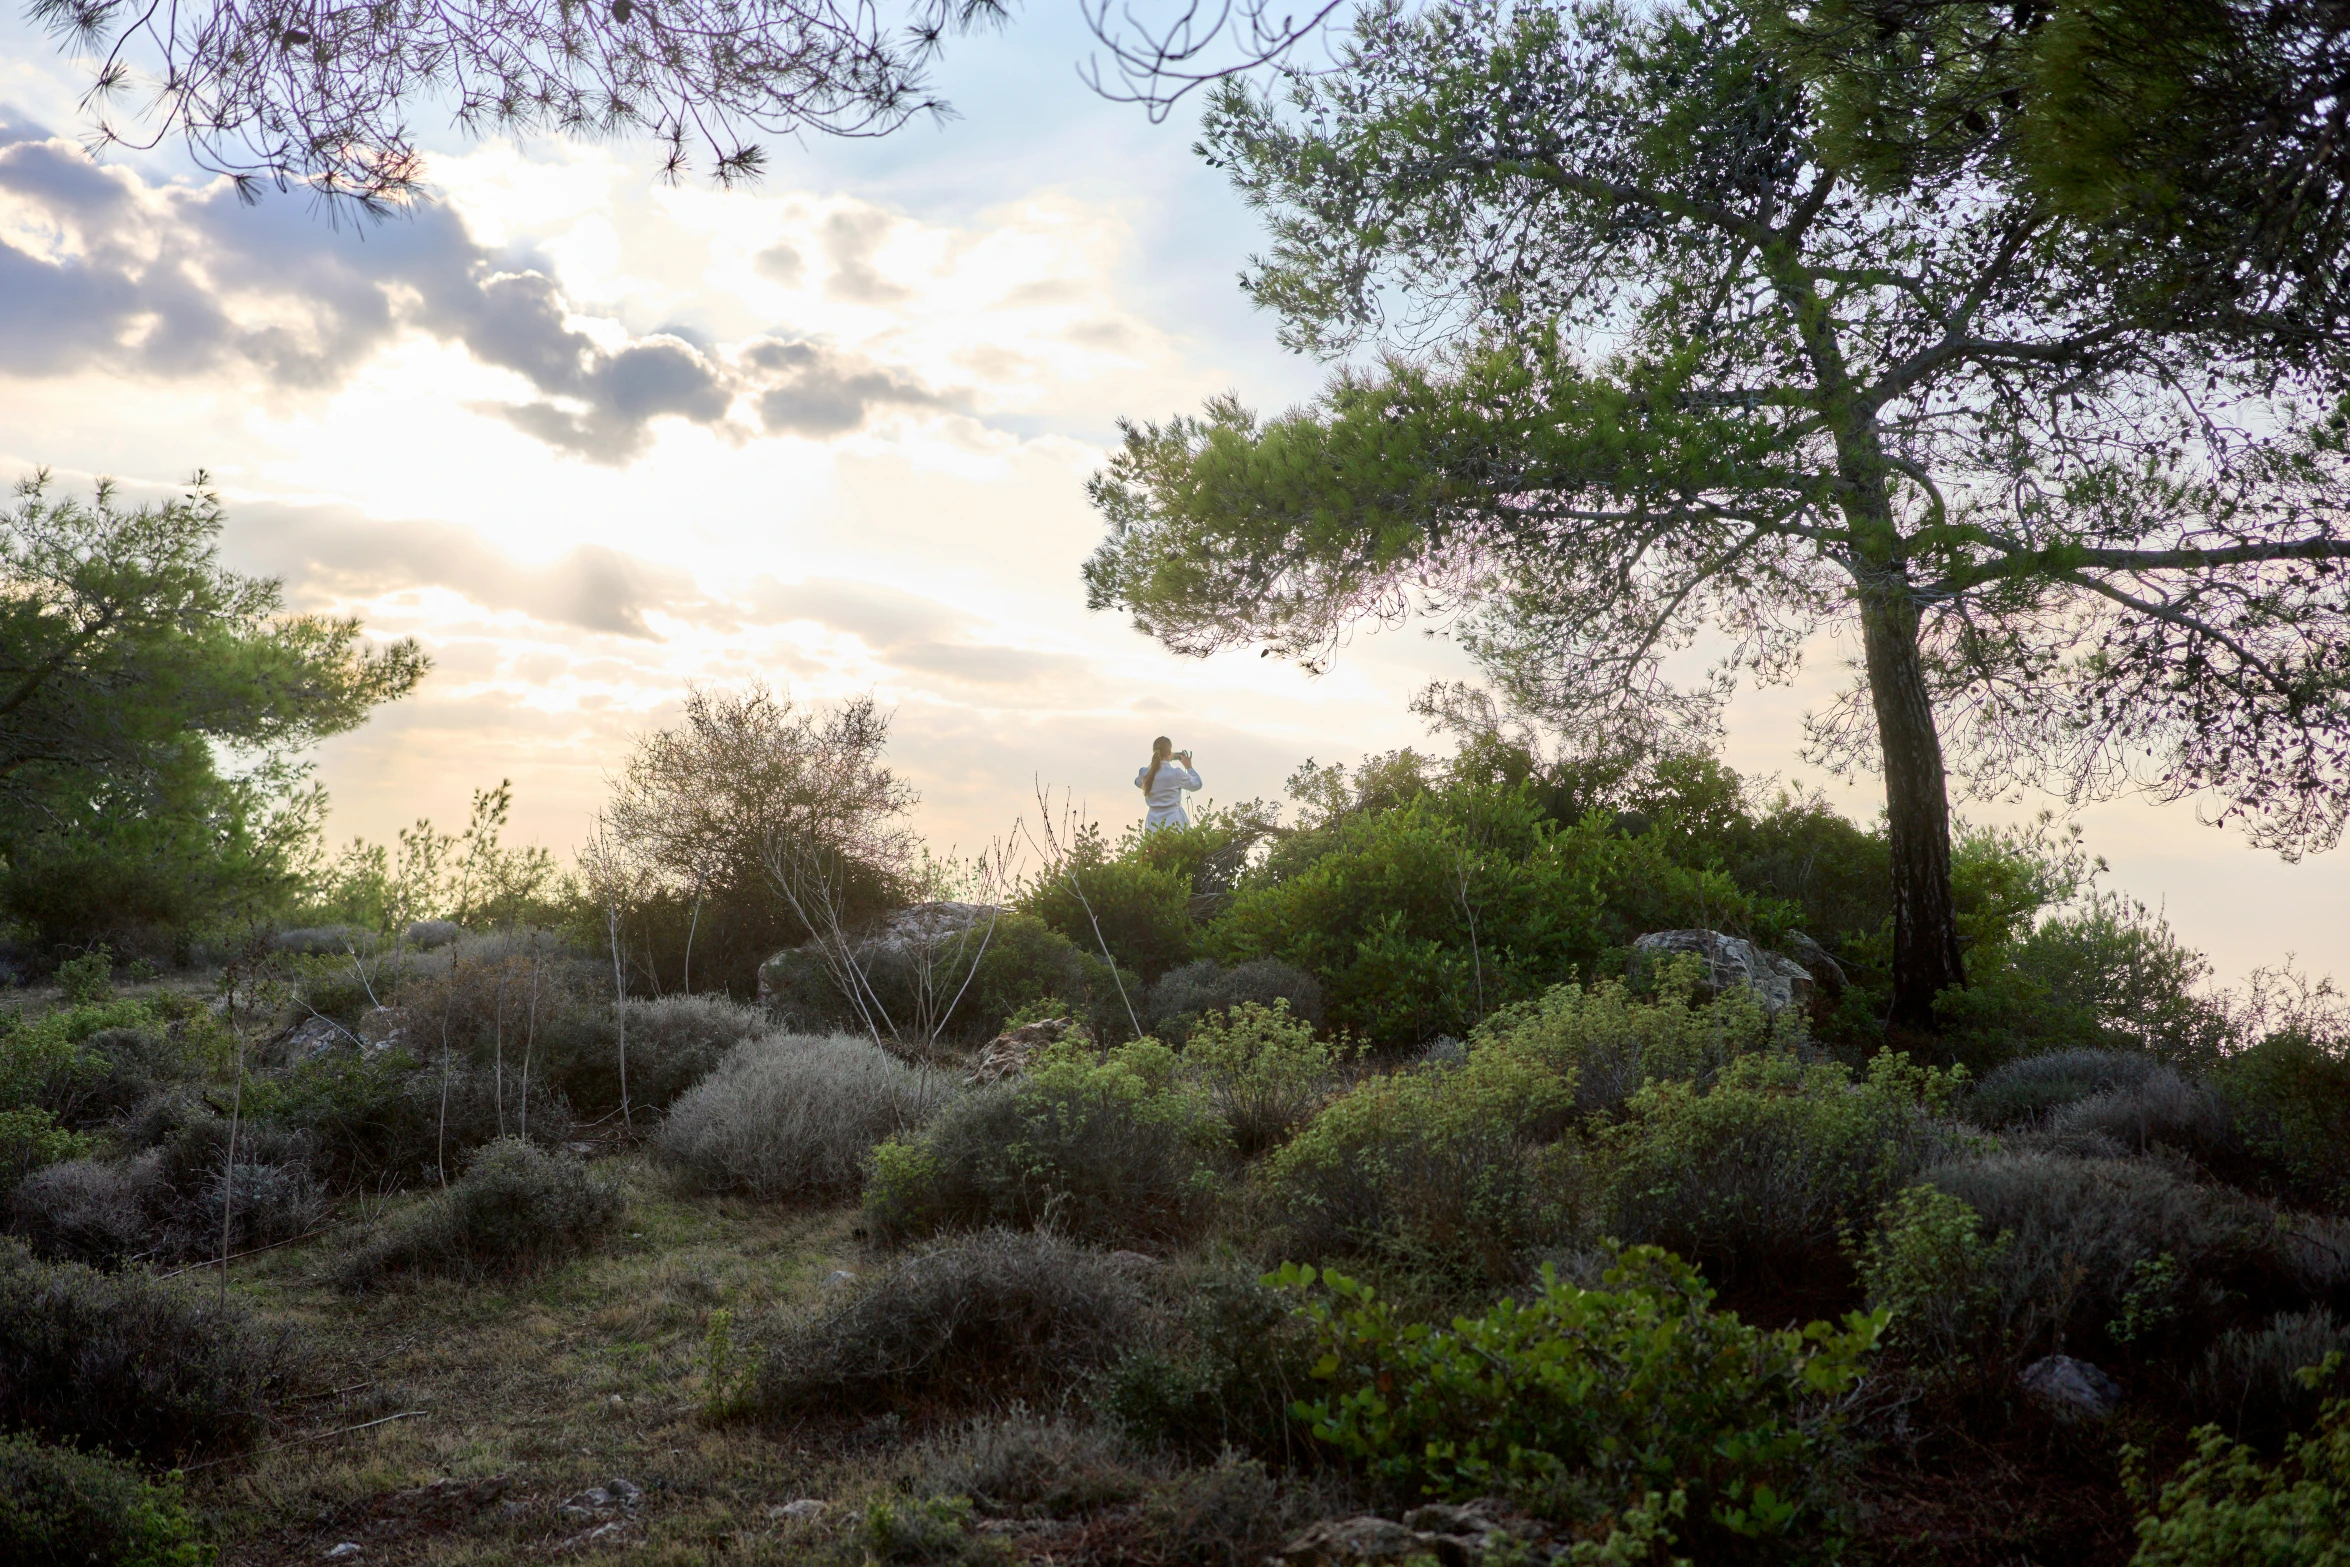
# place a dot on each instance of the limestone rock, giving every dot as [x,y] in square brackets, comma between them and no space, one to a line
[1825,971]
[2072,1390]
[1452,1536]
[1731,963]
[1008,1054]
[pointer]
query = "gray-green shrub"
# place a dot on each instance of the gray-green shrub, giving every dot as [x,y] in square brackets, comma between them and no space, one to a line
[673,1043]
[518,1206]
[795,1115]
[1003,1313]
[2021,1092]
[63,1508]
[1184,995]
[2114,1250]
[2248,1381]
[126,1361]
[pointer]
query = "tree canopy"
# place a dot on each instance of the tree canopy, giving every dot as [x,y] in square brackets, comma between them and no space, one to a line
[153,708]
[321,95]
[1642,351]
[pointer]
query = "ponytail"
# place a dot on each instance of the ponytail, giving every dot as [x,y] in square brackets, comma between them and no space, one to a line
[1161,749]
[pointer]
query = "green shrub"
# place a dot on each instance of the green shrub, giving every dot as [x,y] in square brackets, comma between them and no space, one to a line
[1024,963]
[1934,1273]
[2289,1096]
[2226,1506]
[1582,1404]
[1764,1172]
[1261,1070]
[1183,996]
[1444,1164]
[1616,1041]
[1224,1380]
[1139,906]
[1104,1149]
[1421,919]
[795,1116]
[1003,1313]
[933,1531]
[31,1139]
[518,1206]
[89,978]
[126,1361]
[63,1508]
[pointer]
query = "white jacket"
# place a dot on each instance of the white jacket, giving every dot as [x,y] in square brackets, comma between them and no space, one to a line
[1166,791]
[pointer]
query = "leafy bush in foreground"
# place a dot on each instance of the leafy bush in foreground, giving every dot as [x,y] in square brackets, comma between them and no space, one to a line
[2226,1506]
[1000,1313]
[517,1206]
[795,1116]
[126,1361]
[1591,1403]
[63,1508]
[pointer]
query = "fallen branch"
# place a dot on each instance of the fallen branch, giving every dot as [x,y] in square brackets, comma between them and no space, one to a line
[315,1436]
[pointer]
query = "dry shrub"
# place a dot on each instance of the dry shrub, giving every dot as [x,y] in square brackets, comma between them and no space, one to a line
[2089,1239]
[2160,1109]
[2247,1383]
[518,1206]
[130,1362]
[2021,1092]
[1020,1465]
[998,1314]
[794,1115]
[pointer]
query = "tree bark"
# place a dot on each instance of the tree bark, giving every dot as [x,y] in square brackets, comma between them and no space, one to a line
[1926,957]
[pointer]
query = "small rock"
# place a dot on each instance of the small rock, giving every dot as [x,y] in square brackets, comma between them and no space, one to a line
[618,1402]
[839,1278]
[1344,1542]
[626,1492]
[595,1499]
[2071,1389]
[805,1507]
[1008,1054]
[343,1552]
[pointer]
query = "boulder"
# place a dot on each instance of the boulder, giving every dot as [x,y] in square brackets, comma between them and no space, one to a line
[2072,1390]
[1008,1054]
[1453,1536]
[1825,971]
[314,1037]
[1730,963]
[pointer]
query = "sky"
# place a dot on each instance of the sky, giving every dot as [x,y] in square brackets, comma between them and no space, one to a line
[592,440]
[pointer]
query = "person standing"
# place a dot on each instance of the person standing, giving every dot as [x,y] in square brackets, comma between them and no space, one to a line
[1163,785]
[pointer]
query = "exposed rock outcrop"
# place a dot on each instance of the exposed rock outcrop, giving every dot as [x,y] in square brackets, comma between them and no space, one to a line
[1731,963]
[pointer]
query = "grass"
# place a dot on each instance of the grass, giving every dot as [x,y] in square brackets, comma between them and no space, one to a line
[532,1392]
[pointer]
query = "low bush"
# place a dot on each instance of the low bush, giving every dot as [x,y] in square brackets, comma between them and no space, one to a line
[1616,1041]
[795,1116]
[1004,1313]
[518,1206]
[383,1118]
[2019,1093]
[1581,1404]
[1220,1515]
[2122,1254]
[2160,1110]
[1764,1173]
[2225,1505]
[87,1210]
[129,1362]
[2289,1097]
[930,1531]
[2249,1382]
[1933,1271]
[1184,995]
[1018,1465]
[31,1139]
[1103,1148]
[1023,963]
[63,1508]
[1261,1070]
[1441,1165]
[673,1043]
[1225,1377]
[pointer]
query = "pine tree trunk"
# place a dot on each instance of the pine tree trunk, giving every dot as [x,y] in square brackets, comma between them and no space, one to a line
[1926,958]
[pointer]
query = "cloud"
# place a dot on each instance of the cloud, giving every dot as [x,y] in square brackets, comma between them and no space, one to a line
[850,238]
[910,632]
[102,271]
[815,391]
[327,553]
